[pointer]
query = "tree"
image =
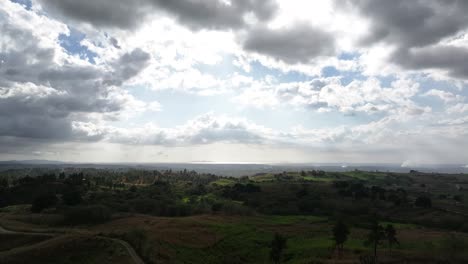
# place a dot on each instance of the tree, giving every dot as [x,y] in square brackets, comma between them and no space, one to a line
[390,235]
[423,201]
[93,214]
[454,246]
[340,234]
[72,197]
[375,237]
[43,201]
[278,245]
[4,183]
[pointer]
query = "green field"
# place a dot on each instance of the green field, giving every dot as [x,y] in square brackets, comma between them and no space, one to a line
[185,217]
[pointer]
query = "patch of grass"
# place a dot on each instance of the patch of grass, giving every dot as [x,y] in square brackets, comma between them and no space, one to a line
[292,219]
[10,241]
[319,179]
[16,209]
[401,225]
[263,177]
[365,175]
[69,250]
[223,182]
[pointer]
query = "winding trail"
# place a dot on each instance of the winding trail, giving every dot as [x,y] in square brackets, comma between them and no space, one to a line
[131,251]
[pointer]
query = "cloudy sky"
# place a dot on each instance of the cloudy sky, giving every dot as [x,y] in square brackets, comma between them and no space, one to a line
[369,81]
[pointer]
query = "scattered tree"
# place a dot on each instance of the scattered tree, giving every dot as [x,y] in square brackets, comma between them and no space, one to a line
[93,214]
[340,235]
[366,259]
[133,188]
[375,237]
[72,197]
[43,201]
[458,198]
[454,246]
[423,201]
[4,183]
[390,235]
[278,245]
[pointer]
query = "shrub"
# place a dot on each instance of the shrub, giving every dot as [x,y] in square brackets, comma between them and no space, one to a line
[93,214]
[423,201]
[72,197]
[145,206]
[43,201]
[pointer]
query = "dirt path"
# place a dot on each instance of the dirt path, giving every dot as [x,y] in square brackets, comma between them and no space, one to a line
[136,259]
[6,231]
[129,248]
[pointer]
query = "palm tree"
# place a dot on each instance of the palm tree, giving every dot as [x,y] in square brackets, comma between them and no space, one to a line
[390,234]
[278,245]
[375,237]
[340,235]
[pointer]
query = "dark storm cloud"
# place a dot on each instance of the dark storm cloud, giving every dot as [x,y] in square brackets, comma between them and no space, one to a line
[216,14]
[452,59]
[39,127]
[102,13]
[412,23]
[416,28]
[115,43]
[300,43]
[21,146]
[129,65]
[40,98]
[196,14]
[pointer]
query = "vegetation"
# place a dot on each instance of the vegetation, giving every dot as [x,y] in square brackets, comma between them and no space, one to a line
[278,245]
[288,217]
[340,235]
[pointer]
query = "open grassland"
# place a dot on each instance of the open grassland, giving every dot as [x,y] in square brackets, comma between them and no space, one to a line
[217,239]
[230,239]
[11,241]
[72,249]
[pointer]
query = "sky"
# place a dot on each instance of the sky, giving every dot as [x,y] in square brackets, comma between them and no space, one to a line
[270,81]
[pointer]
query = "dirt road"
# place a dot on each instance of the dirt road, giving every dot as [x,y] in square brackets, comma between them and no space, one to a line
[136,259]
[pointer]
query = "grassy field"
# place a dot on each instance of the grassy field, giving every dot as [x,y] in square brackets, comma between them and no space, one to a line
[72,249]
[223,182]
[217,239]
[10,241]
[230,239]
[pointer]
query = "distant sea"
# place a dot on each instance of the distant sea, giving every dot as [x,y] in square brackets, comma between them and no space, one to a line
[237,169]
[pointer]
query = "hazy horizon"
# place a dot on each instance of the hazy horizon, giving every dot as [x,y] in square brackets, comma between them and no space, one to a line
[236,169]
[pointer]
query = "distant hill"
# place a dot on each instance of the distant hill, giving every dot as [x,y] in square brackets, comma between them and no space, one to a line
[233,169]
[33,162]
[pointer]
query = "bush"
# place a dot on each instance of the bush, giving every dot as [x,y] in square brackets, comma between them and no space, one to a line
[93,214]
[453,246]
[72,197]
[423,201]
[43,201]
[145,206]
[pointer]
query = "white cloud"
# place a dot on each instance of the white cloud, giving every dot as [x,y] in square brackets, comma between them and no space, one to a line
[445,96]
[204,129]
[327,94]
[459,108]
